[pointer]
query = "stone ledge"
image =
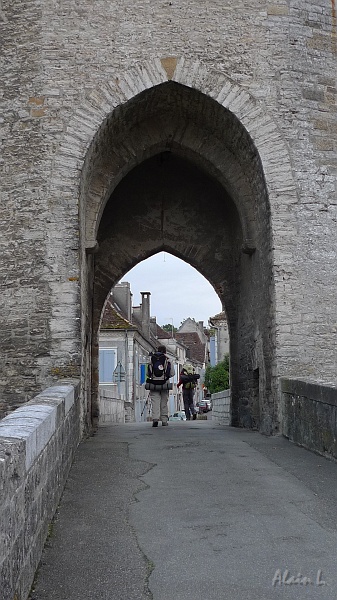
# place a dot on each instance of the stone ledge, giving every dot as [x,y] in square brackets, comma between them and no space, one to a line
[224,394]
[36,421]
[319,391]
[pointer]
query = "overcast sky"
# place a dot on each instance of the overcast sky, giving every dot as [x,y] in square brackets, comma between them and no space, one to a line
[178,291]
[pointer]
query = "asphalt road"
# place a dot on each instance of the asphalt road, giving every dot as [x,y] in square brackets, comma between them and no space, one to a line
[193,511]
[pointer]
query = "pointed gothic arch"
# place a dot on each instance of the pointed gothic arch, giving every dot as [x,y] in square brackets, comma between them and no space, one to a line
[209,126]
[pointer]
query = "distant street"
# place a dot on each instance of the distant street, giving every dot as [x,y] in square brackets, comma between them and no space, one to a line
[193,511]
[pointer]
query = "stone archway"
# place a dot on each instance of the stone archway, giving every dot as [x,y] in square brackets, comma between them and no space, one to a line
[175,171]
[208,122]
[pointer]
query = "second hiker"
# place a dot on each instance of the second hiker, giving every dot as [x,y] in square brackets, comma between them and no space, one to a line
[188,379]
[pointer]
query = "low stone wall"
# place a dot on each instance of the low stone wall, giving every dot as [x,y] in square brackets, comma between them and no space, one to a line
[310,414]
[111,409]
[37,445]
[221,407]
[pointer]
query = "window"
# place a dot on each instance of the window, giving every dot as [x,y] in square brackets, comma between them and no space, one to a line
[107,364]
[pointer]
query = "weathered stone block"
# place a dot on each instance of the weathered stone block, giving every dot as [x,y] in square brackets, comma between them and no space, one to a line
[277,9]
[313,94]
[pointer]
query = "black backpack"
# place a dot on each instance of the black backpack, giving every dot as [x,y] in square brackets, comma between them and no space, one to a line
[159,369]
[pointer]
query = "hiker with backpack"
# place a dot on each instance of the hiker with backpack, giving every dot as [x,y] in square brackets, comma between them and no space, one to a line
[159,371]
[188,379]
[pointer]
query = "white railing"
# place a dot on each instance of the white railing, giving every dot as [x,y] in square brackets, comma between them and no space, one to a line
[111,407]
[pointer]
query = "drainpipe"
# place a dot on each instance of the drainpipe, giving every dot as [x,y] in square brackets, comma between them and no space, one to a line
[127,370]
[145,314]
[216,341]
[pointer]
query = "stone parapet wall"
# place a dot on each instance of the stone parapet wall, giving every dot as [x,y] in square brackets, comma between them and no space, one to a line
[221,405]
[310,414]
[37,445]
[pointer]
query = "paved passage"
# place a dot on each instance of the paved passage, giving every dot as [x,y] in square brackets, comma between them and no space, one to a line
[193,511]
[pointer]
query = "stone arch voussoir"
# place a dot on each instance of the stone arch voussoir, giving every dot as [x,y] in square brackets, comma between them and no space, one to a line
[100,103]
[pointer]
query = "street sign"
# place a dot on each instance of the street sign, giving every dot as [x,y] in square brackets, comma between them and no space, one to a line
[119,373]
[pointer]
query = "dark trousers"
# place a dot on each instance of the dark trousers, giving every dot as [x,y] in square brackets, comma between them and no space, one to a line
[188,402]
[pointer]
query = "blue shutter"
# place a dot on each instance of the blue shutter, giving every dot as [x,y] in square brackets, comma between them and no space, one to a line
[142,374]
[107,364]
[212,351]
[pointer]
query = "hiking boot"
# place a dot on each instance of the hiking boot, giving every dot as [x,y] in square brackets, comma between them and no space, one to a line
[154,423]
[164,423]
[194,417]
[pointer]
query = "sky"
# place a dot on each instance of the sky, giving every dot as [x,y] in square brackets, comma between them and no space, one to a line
[178,291]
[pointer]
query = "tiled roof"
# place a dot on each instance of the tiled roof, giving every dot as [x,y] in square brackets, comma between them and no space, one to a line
[219,317]
[192,341]
[111,319]
[161,334]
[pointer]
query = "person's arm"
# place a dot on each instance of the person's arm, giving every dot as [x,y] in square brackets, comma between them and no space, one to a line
[185,378]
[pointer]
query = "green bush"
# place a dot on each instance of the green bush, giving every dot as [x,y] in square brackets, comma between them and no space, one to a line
[217,378]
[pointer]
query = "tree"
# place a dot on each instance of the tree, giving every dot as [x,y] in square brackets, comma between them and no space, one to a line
[169,328]
[217,378]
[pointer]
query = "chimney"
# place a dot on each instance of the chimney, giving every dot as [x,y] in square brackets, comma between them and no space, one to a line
[123,297]
[145,314]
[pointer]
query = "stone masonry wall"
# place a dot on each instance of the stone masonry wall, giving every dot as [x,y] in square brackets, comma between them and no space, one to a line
[37,445]
[58,60]
[221,407]
[310,414]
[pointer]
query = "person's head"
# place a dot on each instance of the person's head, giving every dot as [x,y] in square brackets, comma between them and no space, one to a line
[162,349]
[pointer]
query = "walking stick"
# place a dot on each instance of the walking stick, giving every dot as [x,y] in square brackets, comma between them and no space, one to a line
[145,405]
